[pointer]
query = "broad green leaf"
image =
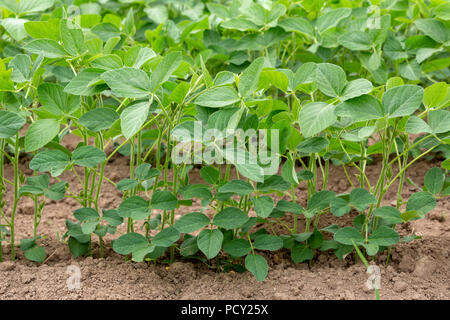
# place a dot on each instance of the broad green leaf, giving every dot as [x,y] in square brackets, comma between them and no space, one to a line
[434,180]
[230,218]
[163,200]
[30,6]
[316,117]
[21,65]
[416,125]
[268,242]
[210,174]
[248,80]
[332,18]
[10,124]
[361,108]
[263,206]
[36,254]
[421,202]
[239,187]
[356,41]
[301,253]
[356,88]
[297,24]
[435,94]
[320,200]
[348,235]
[128,82]
[49,160]
[43,29]
[15,27]
[210,242]
[133,118]
[107,62]
[439,121]
[128,243]
[81,84]
[237,247]
[313,145]
[402,101]
[98,119]
[56,101]
[166,237]
[339,207]
[257,265]
[47,47]
[389,214]
[192,222]
[72,39]
[361,199]
[40,133]
[165,69]
[88,156]
[217,97]
[134,207]
[330,79]
[433,28]
[384,236]
[86,214]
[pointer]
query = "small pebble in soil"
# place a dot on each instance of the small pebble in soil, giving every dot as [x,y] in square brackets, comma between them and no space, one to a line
[425,267]
[400,286]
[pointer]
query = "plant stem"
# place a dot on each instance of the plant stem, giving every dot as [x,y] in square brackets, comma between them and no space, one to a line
[16,196]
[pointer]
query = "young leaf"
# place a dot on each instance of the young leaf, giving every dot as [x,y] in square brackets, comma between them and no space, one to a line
[237,247]
[10,124]
[248,81]
[263,206]
[389,214]
[192,222]
[165,69]
[47,47]
[422,202]
[402,101]
[239,187]
[88,156]
[98,119]
[434,180]
[133,118]
[129,242]
[128,82]
[217,97]
[348,235]
[163,200]
[384,236]
[268,242]
[316,117]
[230,218]
[330,79]
[40,133]
[257,265]
[210,242]
[166,237]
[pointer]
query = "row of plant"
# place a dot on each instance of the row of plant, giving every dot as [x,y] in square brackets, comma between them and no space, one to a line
[338,85]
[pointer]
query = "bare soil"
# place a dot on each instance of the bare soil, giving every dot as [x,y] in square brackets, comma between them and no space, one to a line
[417,270]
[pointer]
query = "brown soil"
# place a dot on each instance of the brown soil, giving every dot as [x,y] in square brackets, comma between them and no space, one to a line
[417,270]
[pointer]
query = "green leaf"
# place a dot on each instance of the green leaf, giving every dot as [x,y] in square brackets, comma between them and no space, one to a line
[72,39]
[166,237]
[192,222]
[301,253]
[257,265]
[140,253]
[439,121]
[128,243]
[165,69]
[30,6]
[339,207]
[389,214]
[237,247]
[21,65]
[435,95]
[15,27]
[88,156]
[98,119]
[10,124]
[268,242]
[361,108]
[356,41]
[36,254]
[133,118]
[77,248]
[433,28]
[248,80]
[332,18]
[421,202]
[403,100]
[361,199]
[416,125]
[210,242]
[316,117]
[301,237]
[134,207]
[330,79]
[217,97]
[40,133]
[46,47]
[263,206]
[189,247]
[128,82]
[81,84]
[239,187]
[356,88]
[86,214]
[348,235]
[384,236]
[49,161]
[163,200]
[230,218]
[313,145]
[43,29]
[434,180]
[320,200]
[210,174]
[56,101]
[297,24]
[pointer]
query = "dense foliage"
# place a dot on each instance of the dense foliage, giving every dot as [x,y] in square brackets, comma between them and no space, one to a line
[341,82]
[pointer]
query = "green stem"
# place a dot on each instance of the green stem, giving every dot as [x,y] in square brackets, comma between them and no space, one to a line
[16,196]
